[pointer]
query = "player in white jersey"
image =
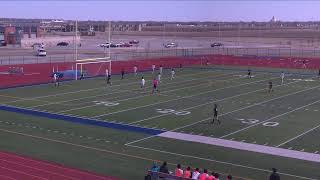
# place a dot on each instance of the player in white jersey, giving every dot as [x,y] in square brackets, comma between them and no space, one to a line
[107,74]
[282,77]
[55,79]
[143,84]
[160,69]
[159,77]
[153,68]
[135,70]
[172,73]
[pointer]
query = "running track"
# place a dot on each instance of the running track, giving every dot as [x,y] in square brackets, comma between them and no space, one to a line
[16,167]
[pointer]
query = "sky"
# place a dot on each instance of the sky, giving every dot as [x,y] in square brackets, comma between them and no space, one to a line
[163,10]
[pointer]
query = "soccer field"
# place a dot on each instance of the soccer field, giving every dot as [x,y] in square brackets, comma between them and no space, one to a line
[120,130]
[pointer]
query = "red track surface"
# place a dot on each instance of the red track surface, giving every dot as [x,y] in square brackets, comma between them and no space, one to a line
[40,73]
[16,167]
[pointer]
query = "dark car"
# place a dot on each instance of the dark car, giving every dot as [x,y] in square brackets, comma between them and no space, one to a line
[62,44]
[125,45]
[134,42]
[216,44]
[3,43]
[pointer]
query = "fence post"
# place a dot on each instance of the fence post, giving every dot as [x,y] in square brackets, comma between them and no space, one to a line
[22,59]
[9,60]
[37,59]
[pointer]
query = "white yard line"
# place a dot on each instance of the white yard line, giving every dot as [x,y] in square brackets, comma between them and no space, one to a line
[274,117]
[243,146]
[219,100]
[136,97]
[221,162]
[91,89]
[296,137]
[246,107]
[184,97]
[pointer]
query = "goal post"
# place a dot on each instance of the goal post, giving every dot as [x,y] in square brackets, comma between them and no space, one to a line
[92,67]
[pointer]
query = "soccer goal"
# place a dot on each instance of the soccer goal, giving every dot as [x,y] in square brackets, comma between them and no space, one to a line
[92,67]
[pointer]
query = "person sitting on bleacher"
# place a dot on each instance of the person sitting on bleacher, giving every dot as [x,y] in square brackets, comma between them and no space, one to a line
[229,177]
[187,173]
[179,171]
[204,175]
[217,175]
[196,174]
[211,177]
[164,169]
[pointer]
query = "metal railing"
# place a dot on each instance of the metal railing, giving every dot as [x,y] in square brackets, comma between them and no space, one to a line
[178,52]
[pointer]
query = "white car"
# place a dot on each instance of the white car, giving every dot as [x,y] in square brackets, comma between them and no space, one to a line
[41,52]
[170,45]
[104,45]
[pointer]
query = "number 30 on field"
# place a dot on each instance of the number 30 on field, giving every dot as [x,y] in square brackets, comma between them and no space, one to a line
[172,111]
[254,121]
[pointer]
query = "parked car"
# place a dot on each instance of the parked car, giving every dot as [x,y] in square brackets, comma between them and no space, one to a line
[170,45]
[216,44]
[125,45]
[3,43]
[35,45]
[62,44]
[103,45]
[134,42]
[41,52]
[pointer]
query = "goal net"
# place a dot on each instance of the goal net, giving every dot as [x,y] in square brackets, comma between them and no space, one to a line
[92,67]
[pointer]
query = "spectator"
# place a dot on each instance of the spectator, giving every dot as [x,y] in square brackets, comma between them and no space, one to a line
[229,177]
[154,171]
[204,175]
[217,175]
[164,169]
[179,171]
[187,173]
[274,175]
[196,174]
[211,177]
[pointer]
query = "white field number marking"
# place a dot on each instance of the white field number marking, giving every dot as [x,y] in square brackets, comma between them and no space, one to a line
[105,103]
[172,111]
[254,121]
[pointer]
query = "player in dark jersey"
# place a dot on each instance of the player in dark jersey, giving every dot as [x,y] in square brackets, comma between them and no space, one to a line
[122,73]
[215,114]
[109,79]
[270,87]
[249,73]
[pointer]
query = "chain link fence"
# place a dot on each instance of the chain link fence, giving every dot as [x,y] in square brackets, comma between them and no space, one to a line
[177,52]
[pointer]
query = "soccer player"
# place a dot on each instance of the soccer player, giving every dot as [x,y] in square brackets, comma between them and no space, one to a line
[109,79]
[270,87]
[159,77]
[160,69]
[135,69]
[282,77]
[249,73]
[122,73]
[215,114]
[81,76]
[107,73]
[153,68]
[155,86]
[172,73]
[319,74]
[143,83]
[304,64]
[55,79]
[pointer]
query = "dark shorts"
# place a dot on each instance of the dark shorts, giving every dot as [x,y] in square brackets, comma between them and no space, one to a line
[155,86]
